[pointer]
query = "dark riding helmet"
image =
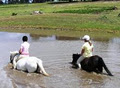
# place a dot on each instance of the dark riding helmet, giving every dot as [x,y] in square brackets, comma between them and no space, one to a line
[25,38]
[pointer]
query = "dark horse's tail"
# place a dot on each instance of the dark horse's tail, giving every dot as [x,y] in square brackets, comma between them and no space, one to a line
[105,67]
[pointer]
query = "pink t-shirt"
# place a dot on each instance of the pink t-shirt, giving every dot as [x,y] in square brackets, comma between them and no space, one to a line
[25,48]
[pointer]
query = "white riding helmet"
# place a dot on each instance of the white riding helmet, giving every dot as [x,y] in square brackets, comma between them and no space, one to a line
[86,37]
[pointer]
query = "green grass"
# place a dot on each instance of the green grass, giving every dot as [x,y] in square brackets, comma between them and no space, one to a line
[88,9]
[86,17]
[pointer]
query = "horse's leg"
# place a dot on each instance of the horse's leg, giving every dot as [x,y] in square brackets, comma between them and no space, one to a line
[100,68]
[97,71]
[14,62]
[40,65]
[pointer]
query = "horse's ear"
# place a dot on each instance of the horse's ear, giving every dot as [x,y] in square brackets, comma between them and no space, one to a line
[10,52]
[14,52]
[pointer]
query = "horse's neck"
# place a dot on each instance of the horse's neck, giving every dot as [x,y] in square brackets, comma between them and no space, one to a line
[15,56]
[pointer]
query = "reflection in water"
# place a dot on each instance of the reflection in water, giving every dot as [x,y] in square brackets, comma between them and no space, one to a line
[115,40]
[53,37]
[35,36]
[6,37]
[101,39]
[42,38]
[49,38]
[56,52]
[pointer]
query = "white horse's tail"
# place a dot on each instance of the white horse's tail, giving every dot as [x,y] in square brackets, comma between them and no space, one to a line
[40,65]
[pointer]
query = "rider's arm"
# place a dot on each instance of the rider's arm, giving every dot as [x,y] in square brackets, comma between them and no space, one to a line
[92,49]
[21,49]
[14,63]
[82,51]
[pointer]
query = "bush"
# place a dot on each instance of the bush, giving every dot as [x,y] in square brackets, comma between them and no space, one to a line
[119,15]
[88,10]
[1,2]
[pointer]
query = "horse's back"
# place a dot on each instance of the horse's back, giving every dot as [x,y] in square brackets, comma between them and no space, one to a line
[31,64]
[91,63]
[21,64]
[28,64]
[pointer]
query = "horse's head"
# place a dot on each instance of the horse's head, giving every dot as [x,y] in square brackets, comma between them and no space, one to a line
[12,55]
[75,58]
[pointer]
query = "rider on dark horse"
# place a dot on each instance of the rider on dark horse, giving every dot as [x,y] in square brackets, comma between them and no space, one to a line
[86,50]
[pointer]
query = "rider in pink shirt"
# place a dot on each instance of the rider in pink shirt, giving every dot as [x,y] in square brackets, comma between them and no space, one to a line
[24,49]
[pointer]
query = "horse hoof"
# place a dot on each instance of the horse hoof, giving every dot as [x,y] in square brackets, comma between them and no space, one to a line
[75,67]
[46,74]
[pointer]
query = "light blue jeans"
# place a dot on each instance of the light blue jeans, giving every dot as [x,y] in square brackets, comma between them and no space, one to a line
[79,60]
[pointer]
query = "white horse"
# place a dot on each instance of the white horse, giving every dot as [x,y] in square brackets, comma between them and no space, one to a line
[30,64]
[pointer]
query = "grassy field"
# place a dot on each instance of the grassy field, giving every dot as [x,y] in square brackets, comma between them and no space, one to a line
[64,19]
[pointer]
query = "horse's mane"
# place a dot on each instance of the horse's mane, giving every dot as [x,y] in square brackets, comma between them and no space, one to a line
[13,55]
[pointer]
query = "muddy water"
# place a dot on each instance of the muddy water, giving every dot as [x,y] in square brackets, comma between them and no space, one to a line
[56,54]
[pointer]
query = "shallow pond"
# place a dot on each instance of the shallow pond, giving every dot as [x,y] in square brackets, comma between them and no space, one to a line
[56,53]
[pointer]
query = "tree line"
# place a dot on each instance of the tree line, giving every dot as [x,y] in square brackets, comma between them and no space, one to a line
[41,1]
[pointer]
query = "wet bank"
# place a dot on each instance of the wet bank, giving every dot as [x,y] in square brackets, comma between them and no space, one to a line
[94,33]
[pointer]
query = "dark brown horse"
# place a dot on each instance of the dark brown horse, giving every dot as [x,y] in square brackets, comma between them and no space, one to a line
[92,64]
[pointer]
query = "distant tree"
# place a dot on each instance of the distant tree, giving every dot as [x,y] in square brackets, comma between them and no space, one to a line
[95,0]
[70,0]
[1,2]
[39,1]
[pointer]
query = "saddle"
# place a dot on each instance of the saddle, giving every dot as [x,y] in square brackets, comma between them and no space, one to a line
[86,60]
